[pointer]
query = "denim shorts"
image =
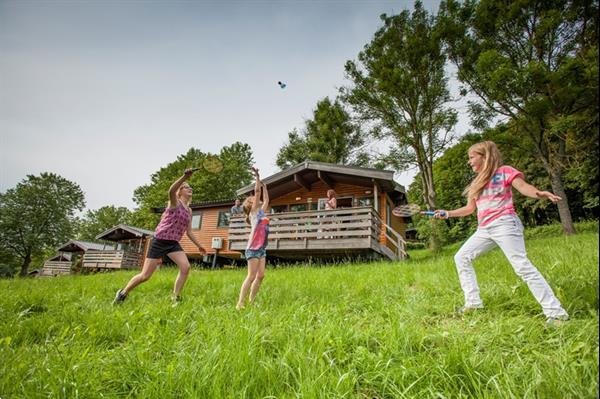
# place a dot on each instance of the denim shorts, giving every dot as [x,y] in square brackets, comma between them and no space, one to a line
[256,253]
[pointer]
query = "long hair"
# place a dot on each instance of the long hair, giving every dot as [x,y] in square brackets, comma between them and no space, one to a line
[246,207]
[492,160]
[331,193]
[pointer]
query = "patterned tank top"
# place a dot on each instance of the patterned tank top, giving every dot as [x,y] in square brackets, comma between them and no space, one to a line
[173,223]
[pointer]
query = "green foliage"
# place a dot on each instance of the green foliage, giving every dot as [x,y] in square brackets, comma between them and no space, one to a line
[400,88]
[38,215]
[536,63]
[379,330]
[237,160]
[330,136]
[98,221]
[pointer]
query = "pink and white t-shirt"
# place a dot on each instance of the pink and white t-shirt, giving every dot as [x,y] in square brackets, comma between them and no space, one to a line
[496,198]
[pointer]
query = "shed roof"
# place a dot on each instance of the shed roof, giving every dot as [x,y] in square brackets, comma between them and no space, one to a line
[80,246]
[124,232]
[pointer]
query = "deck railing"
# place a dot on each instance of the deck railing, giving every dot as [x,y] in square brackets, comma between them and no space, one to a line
[327,229]
[55,268]
[112,259]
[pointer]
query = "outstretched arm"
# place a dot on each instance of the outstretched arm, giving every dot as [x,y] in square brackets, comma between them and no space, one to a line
[460,212]
[175,186]
[265,196]
[257,188]
[194,239]
[531,191]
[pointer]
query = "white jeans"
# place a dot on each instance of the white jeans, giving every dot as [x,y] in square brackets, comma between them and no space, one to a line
[507,233]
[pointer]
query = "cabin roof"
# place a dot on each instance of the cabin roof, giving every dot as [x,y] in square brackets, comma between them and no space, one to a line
[60,257]
[309,172]
[124,232]
[80,246]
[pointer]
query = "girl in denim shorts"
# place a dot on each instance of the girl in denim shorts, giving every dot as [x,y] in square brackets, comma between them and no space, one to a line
[258,240]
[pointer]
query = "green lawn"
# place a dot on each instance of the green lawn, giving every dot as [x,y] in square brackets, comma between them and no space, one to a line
[379,330]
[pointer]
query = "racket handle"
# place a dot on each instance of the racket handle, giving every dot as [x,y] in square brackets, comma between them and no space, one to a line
[195,169]
[432,213]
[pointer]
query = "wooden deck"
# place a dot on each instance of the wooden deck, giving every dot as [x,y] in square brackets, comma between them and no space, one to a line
[112,259]
[55,268]
[323,234]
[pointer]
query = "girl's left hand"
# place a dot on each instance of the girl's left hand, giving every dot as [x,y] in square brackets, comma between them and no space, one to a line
[548,195]
[188,172]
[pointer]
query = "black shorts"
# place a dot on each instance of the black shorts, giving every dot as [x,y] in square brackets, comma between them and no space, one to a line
[160,248]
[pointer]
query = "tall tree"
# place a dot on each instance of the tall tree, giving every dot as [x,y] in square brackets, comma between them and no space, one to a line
[95,222]
[37,215]
[400,88]
[237,160]
[528,61]
[330,136]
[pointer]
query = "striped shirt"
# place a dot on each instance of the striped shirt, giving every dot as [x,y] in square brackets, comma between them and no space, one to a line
[173,223]
[496,198]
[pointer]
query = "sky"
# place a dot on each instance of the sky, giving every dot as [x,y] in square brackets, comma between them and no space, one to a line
[105,93]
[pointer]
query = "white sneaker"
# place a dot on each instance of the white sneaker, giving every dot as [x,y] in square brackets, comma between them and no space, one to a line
[468,309]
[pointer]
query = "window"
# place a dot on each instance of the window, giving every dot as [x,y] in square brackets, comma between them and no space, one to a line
[298,207]
[388,213]
[223,219]
[196,221]
[279,208]
[365,201]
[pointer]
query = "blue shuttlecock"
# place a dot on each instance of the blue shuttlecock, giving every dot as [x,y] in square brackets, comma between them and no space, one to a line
[282,85]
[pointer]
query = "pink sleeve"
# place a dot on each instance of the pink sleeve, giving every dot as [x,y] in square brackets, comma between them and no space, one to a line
[511,174]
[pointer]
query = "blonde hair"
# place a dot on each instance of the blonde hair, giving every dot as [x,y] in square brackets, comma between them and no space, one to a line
[187,202]
[331,193]
[246,207]
[492,160]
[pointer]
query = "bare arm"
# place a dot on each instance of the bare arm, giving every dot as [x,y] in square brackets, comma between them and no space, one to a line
[191,236]
[175,186]
[257,189]
[460,212]
[531,191]
[265,195]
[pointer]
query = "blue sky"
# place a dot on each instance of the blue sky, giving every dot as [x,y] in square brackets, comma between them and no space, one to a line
[104,93]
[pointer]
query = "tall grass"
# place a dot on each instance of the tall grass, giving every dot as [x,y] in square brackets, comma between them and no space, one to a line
[378,330]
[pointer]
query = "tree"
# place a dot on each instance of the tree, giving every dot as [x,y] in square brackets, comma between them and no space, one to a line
[529,61]
[95,222]
[38,215]
[237,160]
[401,90]
[329,137]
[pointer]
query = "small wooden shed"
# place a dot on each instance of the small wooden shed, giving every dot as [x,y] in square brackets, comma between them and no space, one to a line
[127,252]
[69,255]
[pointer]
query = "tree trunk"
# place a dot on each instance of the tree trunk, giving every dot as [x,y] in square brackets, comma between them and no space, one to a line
[564,212]
[556,181]
[25,265]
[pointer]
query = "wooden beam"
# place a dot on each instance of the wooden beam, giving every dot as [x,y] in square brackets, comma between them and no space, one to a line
[375,195]
[325,178]
[301,182]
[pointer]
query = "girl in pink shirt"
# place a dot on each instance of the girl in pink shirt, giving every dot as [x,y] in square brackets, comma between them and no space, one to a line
[490,193]
[174,222]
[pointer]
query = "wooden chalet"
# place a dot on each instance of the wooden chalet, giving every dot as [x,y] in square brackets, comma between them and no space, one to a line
[70,255]
[362,225]
[127,252]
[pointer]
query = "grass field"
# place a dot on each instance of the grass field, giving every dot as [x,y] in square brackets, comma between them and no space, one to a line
[378,330]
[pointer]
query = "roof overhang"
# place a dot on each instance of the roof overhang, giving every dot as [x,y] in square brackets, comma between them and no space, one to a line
[122,232]
[304,175]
